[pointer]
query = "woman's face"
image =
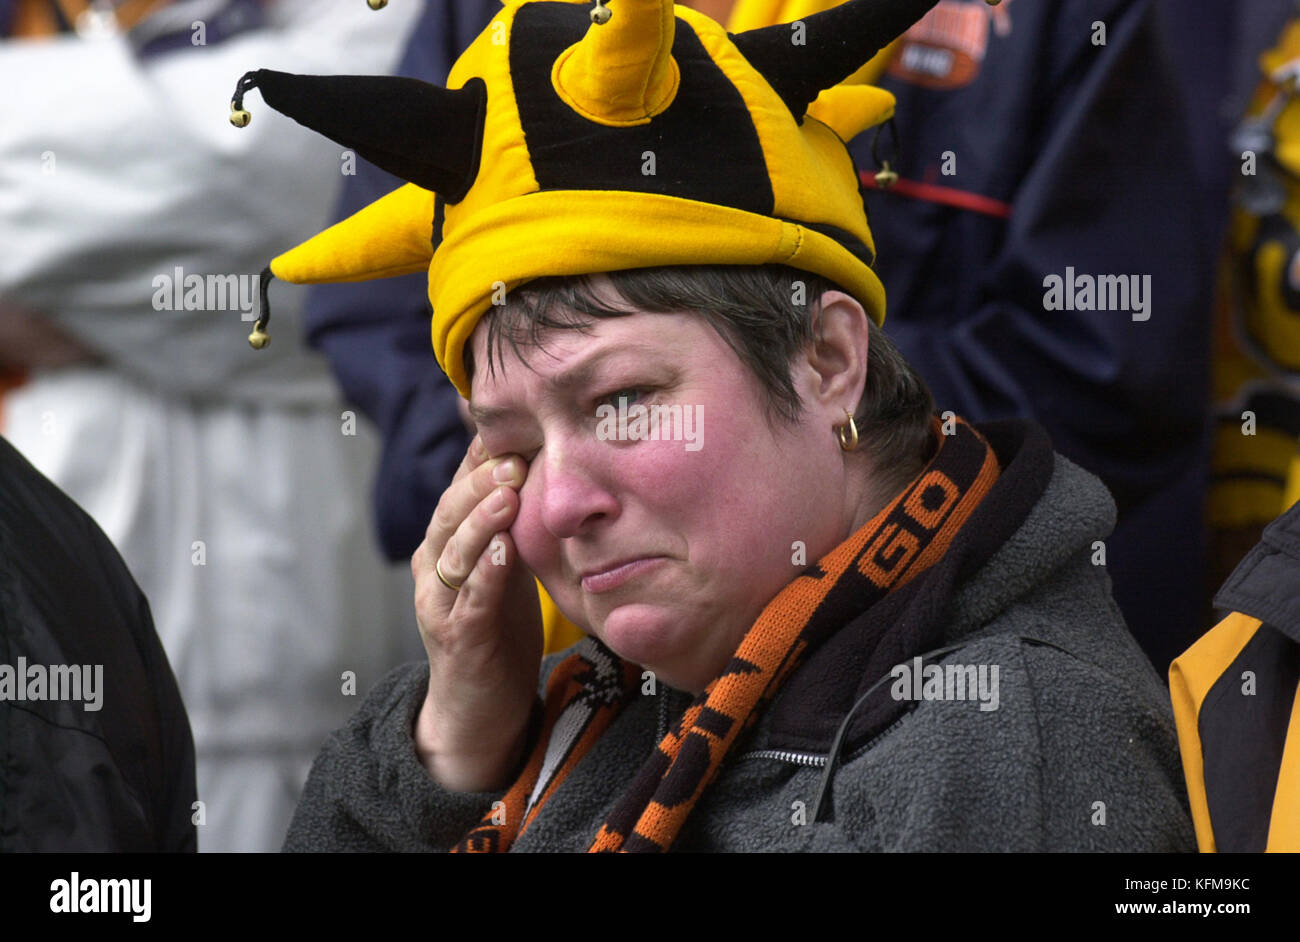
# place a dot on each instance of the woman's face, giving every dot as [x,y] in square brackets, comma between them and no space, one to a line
[666,550]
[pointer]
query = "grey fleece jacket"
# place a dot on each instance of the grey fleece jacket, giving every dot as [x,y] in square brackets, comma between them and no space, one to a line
[1079,754]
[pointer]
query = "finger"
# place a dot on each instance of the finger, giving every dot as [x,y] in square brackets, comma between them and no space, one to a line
[463,550]
[490,578]
[421,559]
[462,496]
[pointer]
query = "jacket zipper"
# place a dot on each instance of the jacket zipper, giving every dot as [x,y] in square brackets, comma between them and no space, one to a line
[798,758]
[780,755]
[819,761]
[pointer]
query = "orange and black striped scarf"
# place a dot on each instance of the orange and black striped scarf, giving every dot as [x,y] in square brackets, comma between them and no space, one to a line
[589,688]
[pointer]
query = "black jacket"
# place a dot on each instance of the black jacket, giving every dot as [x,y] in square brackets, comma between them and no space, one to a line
[73,777]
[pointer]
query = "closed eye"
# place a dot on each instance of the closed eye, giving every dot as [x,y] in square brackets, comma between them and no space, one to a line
[497,448]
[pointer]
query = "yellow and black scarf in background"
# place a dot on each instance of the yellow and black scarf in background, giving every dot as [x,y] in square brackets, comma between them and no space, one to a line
[588,689]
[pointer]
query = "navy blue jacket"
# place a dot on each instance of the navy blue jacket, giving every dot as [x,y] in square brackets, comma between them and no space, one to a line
[1067,154]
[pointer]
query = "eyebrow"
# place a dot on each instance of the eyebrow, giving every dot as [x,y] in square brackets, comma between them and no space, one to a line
[580,375]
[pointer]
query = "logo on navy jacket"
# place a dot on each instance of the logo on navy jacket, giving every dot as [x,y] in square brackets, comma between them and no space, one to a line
[945,48]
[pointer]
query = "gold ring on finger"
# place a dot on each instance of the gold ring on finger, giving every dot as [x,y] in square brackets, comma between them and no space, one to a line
[454,586]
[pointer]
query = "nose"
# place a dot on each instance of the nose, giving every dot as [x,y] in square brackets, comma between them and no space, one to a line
[569,485]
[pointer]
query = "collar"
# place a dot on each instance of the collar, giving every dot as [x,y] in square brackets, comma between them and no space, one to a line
[909,621]
[1266,584]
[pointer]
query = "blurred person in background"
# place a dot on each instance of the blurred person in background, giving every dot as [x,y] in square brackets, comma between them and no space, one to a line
[1256,459]
[231,482]
[1064,139]
[1236,691]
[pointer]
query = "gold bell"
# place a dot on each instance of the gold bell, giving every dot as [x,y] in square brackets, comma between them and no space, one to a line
[380,4]
[885,178]
[239,117]
[601,14]
[258,338]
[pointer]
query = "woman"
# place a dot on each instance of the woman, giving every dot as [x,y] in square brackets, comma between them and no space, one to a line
[819,617]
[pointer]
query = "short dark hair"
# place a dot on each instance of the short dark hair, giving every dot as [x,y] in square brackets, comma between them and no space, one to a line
[766,315]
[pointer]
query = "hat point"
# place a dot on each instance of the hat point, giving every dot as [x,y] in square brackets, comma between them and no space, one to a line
[621,72]
[836,44]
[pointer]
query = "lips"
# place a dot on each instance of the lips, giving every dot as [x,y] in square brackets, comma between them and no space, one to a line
[608,577]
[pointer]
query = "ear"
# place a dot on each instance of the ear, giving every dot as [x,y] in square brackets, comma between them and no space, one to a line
[833,369]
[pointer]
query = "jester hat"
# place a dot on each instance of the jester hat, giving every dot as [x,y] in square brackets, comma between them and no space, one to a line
[573,139]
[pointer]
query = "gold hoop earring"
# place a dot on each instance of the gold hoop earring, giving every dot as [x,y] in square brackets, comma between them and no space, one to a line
[848,442]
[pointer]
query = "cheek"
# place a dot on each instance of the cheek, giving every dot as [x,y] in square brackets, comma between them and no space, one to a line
[704,499]
[538,549]
[752,493]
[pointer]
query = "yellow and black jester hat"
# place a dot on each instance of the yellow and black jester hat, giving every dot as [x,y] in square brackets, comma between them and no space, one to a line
[536,159]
